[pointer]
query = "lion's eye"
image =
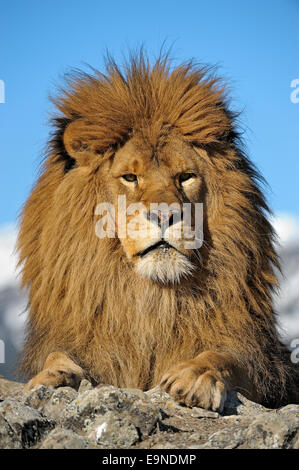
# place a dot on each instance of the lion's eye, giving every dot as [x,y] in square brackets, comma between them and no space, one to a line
[130,178]
[185,177]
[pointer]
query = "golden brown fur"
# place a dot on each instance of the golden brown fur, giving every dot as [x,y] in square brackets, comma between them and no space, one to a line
[86,300]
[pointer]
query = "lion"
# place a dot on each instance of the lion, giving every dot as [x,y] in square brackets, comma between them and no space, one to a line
[146,311]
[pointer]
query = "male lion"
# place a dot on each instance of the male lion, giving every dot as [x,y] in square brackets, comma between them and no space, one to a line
[137,312]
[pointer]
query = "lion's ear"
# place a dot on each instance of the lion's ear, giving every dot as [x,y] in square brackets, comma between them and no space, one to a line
[77,143]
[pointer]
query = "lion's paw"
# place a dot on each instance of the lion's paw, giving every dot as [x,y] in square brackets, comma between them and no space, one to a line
[59,371]
[193,387]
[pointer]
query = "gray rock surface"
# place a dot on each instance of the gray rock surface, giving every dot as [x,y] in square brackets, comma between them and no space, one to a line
[60,438]
[109,417]
[8,438]
[114,430]
[27,424]
[10,388]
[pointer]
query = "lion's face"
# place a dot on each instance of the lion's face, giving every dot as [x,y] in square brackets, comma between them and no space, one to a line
[161,228]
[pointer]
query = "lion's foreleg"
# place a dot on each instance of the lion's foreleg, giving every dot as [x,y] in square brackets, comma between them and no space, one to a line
[58,370]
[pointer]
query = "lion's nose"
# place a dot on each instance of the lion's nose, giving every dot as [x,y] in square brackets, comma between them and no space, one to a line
[163,217]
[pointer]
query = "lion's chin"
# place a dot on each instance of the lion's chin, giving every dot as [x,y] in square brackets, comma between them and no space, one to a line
[167,267]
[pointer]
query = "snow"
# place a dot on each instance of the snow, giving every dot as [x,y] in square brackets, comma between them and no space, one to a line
[287,229]
[8,259]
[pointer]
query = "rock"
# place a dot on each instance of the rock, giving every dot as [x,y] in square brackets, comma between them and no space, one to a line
[27,423]
[83,412]
[227,438]
[114,430]
[80,413]
[144,416]
[58,401]
[10,389]
[158,396]
[201,413]
[182,440]
[289,410]
[50,401]
[38,397]
[84,386]
[8,438]
[237,404]
[110,417]
[296,441]
[61,438]
[275,430]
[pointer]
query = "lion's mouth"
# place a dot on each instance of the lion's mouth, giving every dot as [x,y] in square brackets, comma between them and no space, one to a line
[161,245]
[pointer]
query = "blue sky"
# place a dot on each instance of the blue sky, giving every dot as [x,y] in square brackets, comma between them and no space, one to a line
[254,42]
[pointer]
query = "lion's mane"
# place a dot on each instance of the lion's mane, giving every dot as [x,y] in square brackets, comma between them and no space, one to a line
[85,299]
